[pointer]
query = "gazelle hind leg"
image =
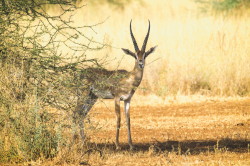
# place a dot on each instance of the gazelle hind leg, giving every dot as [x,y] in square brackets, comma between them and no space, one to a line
[118,122]
[84,105]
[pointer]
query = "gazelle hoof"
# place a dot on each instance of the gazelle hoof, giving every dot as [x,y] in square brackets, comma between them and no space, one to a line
[118,147]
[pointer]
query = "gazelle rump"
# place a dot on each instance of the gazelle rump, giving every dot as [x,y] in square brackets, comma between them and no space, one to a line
[119,85]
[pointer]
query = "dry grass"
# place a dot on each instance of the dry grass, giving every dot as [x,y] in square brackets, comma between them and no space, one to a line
[196,54]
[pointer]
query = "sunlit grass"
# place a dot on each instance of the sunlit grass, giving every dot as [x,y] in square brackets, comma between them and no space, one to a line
[196,54]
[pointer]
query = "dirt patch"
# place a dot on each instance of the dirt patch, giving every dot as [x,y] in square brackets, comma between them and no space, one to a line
[194,121]
[207,133]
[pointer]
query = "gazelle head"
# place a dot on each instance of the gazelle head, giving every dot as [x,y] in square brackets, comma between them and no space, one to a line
[139,55]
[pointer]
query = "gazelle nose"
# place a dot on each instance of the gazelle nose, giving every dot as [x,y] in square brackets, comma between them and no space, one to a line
[141,65]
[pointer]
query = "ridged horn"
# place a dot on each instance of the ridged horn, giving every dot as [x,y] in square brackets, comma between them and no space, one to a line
[146,39]
[133,38]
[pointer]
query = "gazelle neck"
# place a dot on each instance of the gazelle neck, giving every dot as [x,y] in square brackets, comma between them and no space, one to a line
[137,74]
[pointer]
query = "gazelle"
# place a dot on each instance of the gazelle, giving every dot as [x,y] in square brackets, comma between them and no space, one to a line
[119,85]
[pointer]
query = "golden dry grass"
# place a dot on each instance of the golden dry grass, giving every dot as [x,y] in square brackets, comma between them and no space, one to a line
[196,54]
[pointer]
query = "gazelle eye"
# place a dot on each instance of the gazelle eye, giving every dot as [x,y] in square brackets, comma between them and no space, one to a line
[140,61]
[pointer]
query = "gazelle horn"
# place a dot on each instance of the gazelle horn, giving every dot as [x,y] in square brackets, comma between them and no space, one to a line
[133,38]
[146,39]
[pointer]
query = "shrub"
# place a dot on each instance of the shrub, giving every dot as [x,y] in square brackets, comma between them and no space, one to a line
[37,76]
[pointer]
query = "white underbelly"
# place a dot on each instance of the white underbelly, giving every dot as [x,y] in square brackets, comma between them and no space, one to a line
[125,96]
[104,94]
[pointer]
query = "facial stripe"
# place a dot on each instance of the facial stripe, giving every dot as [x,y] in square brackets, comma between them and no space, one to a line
[137,58]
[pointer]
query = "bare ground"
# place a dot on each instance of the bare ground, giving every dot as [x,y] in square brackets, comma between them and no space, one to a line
[207,133]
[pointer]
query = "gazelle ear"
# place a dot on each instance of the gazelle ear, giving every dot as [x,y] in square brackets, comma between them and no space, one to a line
[151,50]
[127,51]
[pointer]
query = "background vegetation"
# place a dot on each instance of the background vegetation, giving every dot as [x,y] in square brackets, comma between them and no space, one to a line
[233,7]
[45,44]
[198,54]
[37,75]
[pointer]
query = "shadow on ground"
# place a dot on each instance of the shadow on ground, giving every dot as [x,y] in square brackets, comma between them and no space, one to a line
[192,147]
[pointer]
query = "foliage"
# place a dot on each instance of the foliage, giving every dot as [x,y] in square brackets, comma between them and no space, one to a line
[41,58]
[221,6]
[116,3]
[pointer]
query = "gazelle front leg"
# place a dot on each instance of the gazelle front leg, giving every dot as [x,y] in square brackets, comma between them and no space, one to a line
[127,113]
[118,122]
